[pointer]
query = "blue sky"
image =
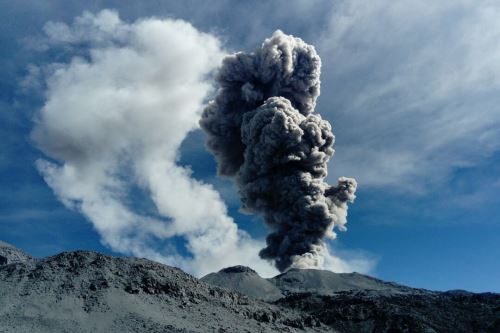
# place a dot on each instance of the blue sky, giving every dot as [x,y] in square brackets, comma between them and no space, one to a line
[410,88]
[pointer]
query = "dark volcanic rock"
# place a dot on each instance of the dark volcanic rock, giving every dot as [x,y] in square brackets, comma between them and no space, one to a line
[423,312]
[238,269]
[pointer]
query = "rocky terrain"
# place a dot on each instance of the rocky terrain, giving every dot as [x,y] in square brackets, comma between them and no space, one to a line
[9,254]
[366,311]
[91,292]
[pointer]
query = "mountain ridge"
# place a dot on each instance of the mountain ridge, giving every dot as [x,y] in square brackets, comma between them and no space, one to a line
[84,291]
[10,254]
[293,281]
[72,291]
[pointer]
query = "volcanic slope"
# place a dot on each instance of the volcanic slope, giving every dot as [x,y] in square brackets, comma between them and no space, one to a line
[246,281]
[327,283]
[91,292]
[352,302]
[10,254]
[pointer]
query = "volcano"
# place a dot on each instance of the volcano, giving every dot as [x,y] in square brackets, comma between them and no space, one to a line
[90,292]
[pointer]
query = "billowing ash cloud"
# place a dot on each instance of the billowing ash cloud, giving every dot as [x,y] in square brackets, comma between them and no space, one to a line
[264,133]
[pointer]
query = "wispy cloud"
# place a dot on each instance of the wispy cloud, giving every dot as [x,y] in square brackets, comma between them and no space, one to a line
[414,85]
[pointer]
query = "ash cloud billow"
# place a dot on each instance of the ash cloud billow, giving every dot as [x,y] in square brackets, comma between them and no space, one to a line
[265,135]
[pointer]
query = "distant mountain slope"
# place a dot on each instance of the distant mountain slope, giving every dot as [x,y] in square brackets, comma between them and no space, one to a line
[90,292]
[244,280]
[326,282]
[9,254]
[247,281]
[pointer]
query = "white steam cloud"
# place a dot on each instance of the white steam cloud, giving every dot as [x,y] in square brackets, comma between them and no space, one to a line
[113,123]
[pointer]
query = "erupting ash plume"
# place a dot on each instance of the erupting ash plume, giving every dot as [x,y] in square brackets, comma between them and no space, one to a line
[264,134]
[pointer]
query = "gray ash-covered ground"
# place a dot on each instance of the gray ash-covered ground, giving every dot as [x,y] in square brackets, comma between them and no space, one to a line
[90,292]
